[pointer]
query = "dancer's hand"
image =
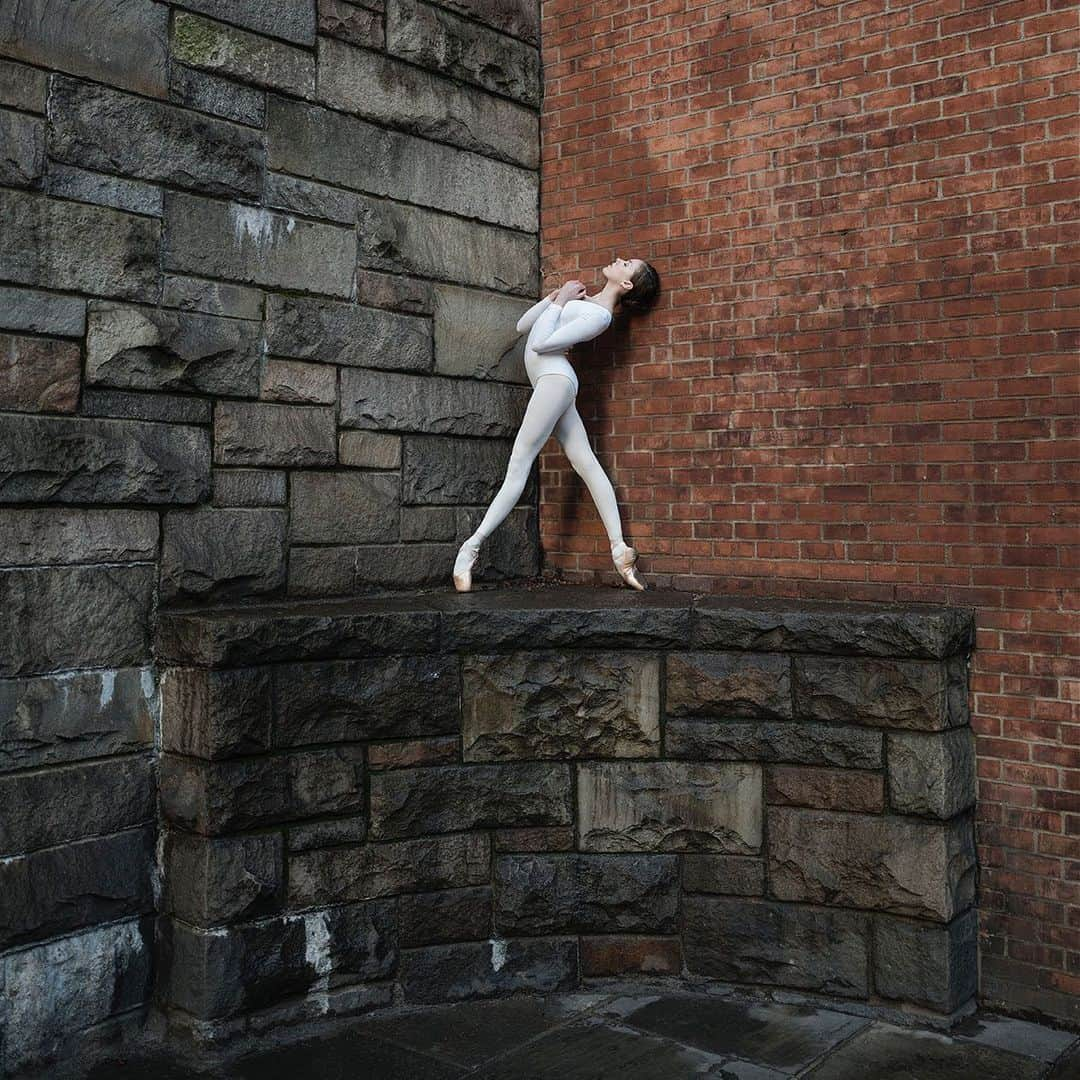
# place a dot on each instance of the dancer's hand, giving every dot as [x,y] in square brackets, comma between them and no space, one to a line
[551,295]
[572,290]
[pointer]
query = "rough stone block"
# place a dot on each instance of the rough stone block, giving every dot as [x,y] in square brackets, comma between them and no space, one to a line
[216,714]
[729,684]
[341,875]
[447,471]
[248,487]
[557,838]
[476,335]
[329,833]
[146,348]
[257,246]
[57,244]
[408,802]
[224,553]
[38,374]
[97,127]
[291,20]
[135,405]
[793,945]
[219,97]
[47,536]
[932,775]
[85,185]
[449,915]
[22,163]
[372,450]
[413,296]
[255,433]
[349,700]
[612,955]
[901,865]
[414,752]
[42,312]
[75,617]
[352,23]
[551,705]
[336,333]
[344,507]
[670,806]
[212,297]
[297,382]
[321,571]
[567,894]
[726,875]
[71,459]
[22,87]
[425,522]
[284,192]
[401,566]
[825,789]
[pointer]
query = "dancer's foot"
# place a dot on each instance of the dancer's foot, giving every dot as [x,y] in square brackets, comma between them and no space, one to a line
[467,555]
[624,557]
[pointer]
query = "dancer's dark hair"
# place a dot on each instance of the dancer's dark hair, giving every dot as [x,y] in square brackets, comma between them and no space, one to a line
[646,288]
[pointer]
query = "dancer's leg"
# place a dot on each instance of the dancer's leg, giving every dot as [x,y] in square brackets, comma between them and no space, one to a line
[570,431]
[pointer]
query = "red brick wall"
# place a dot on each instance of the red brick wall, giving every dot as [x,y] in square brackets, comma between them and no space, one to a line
[861,380]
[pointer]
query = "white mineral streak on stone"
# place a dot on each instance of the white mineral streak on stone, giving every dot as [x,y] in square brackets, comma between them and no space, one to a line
[108,684]
[257,223]
[317,954]
[498,953]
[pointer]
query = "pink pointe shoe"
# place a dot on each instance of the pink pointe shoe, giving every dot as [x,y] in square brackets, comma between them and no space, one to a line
[624,557]
[467,555]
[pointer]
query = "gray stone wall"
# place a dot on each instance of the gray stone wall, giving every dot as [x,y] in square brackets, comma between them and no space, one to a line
[260,266]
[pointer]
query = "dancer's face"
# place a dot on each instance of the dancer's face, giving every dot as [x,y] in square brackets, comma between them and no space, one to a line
[621,271]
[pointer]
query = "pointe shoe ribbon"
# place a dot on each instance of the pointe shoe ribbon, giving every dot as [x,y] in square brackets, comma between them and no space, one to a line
[467,555]
[624,558]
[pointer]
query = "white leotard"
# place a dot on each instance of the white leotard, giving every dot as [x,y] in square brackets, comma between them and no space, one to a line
[553,328]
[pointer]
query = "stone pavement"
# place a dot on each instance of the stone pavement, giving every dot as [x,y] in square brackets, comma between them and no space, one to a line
[597,1036]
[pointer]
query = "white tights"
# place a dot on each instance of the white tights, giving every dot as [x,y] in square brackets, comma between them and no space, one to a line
[551,409]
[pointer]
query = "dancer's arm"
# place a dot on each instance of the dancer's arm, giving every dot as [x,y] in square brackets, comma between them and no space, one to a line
[524,324]
[589,321]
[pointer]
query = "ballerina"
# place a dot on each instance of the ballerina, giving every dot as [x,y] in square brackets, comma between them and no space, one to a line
[565,317]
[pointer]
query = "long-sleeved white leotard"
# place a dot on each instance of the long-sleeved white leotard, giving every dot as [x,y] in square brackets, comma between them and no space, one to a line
[553,328]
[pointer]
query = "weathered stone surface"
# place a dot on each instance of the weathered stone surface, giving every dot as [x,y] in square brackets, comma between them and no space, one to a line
[389,401]
[284,192]
[42,312]
[64,888]
[324,145]
[413,296]
[901,865]
[255,433]
[100,128]
[372,450]
[22,87]
[476,336]
[929,964]
[825,789]
[403,96]
[219,97]
[91,977]
[208,882]
[85,185]
[249,487]
[512,551]
[450,915]
[414,240]
[254,245]
[335,333]
[212,297]
[334,876]
[519,18]
[136,405]
[565,894]
[447,471]
[774,740]
[292,20]
[69,245]
[412,752]
[343,507]
[557,838]
[931,774]
[222,553]
[352,23]
[213,798]
[216,714]
[670,806]
[38,374]
[80,714]
[297,382]
[433,38]
[399,566]
[759,941]
[408,802]
[424,522]
[329,833]
[731,875]
[321,571]
[488,968]
[614,955]
[550,705]
[153,349]
[69,802]
[70,459]
[22,158]
[927,631]
[75,617]
[349,700]
[729,684]
[213,46]
[63,34]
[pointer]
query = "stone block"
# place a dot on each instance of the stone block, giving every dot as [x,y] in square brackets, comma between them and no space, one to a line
[573,894]
[401,95]
[300,383]
[69,802]
[413,296]
[329,146]
[431,37]
[612,955]
[434,918]
[425,522]
[554,705]
[135,405]
[223,553]
[556,838]
[401,566]
[825,789]
[42,312]
[519,18]
[249,487]
[284,192]
[85,185]
[729,685]
[445,471]
[62,34]
[351,700]
[483,969]
[61,245]
[38,374]
[22,87]
[225,50]
[321,571]
[347,334]
[410,802]
[930,774]
[372,450]
[256,246]
[725,875]
[144,348]
[670,806]
[904,866]
[212,297]
[927,963]
[291,20]
[343,507]
[210,882]
[22,163]
[75,617]
[307,836]
[389,401]
[342,875]
[413,752]
[97,127]
[792,945]
[256,433]
[352,23]
[220,97]
[56,719]
[216,714]
[476,335]
[76,460]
